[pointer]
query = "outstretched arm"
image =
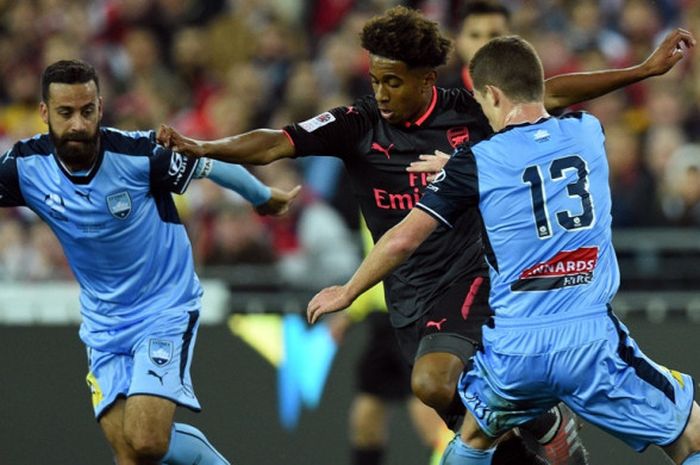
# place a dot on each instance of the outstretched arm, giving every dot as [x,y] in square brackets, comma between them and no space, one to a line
[393,249]
[258,147]
[266,200]
[568,89]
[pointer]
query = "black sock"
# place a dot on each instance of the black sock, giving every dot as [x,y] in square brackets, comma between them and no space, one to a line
[514,451]
[367,456]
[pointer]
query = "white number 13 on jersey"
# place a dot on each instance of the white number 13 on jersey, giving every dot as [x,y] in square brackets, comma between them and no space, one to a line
[533,176]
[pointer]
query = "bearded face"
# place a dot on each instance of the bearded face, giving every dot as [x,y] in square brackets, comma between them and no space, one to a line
[73,113]
[75,147]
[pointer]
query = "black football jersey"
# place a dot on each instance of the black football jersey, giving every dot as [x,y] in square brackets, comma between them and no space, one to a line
[376,154]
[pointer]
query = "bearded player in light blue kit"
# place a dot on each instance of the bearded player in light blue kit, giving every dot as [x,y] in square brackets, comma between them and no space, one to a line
[107,196]
[541,185]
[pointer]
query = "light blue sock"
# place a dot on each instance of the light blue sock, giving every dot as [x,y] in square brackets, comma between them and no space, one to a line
[692,459]
[188,446]
[459,453]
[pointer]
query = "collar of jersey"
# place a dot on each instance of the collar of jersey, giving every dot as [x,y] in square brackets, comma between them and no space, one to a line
[526,123]
[82,178]
[427,113]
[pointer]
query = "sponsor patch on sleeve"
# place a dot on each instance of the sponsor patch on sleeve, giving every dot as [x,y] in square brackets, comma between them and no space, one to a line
[310,125]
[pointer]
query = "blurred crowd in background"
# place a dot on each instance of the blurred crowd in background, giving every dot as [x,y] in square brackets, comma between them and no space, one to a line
[221,67]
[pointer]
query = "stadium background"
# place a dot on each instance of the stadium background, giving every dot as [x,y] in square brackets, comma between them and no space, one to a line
[215,68]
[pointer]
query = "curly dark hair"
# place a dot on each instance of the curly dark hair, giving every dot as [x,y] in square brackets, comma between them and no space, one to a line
[405,35]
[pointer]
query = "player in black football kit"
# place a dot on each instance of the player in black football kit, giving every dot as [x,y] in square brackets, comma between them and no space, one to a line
[437,300]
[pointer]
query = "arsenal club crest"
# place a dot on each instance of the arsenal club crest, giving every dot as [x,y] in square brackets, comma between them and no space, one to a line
[457,136]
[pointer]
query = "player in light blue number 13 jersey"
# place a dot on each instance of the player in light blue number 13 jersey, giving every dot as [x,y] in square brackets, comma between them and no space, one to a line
[106,194]
[541,185]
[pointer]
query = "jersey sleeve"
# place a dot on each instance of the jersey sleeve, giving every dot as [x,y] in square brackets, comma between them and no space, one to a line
[331,133]
[10,194]
[454,190]
[170,171]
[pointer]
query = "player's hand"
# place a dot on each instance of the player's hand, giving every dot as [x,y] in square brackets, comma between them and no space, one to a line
[432,164]
[170,138]
[279,202]
[669,52]
[329,300]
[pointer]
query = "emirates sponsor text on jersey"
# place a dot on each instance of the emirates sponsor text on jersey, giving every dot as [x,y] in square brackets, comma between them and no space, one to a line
[402,200]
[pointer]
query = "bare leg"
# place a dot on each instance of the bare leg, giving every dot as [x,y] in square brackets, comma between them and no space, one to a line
[368,429]
[138,429]
[434,382]
[368,421]
[689,442]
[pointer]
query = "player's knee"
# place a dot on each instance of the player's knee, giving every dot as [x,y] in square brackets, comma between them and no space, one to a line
[148,446]
[692,441]
[432,390]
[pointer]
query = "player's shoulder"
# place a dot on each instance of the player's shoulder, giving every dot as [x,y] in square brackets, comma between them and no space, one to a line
[134,143]
[39,144]
[362,109]
[365,107]
[581,118]
[508,139]
[458,98]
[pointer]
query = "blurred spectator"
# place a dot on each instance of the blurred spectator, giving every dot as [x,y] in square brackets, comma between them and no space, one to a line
[191,68]
[236,236]
[632,187]
[13,251]
[59,47]
[587,32]
[661,143]
[46,260]
[151,93]
[312,241]
[556,57]
[31,252]
[249,84]
[230,37]
[681,194]
[20,117]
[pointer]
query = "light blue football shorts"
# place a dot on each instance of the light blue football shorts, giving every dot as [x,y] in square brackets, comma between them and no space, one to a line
[591,364]
[158,365]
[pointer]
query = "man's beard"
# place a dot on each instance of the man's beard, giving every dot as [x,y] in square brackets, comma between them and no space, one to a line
[75,153]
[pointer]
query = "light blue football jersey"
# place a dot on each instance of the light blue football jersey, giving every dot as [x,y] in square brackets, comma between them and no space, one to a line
[118,227]
[544,197]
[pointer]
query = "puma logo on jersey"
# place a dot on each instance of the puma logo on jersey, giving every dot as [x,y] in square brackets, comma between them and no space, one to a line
[156,375]
[385,151]
[84,195]
[436,324]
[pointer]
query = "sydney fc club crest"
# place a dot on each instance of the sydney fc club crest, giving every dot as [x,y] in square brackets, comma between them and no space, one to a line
[160,351]
[119,205]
